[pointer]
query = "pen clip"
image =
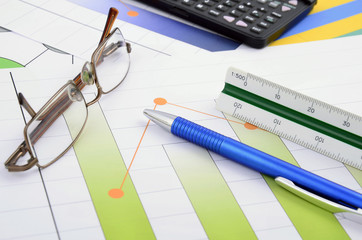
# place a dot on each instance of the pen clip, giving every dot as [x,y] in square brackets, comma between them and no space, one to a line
[350,213]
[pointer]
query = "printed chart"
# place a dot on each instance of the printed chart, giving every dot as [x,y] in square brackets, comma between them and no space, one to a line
[128,179]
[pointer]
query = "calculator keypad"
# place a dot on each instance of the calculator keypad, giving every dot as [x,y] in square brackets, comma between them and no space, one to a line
[255,22]
[255,15]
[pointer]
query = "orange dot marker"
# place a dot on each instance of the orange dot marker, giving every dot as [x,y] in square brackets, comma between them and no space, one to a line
[250,126]
[160,101]
[116,193]
[132,13]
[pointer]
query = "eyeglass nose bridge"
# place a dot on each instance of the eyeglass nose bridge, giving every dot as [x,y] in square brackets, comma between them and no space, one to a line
[11,163]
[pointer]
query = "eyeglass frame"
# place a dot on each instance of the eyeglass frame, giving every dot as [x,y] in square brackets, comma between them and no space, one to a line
[25,146]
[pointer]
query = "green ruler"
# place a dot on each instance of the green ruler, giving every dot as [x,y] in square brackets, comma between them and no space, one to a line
[306,121]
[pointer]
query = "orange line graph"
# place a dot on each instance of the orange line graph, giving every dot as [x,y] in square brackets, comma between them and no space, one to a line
[118,192]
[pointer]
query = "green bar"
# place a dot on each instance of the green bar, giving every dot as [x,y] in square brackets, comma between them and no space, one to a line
[294,116]
[7,63]
[214,203]
[356,173]
[311,222]
[103,169]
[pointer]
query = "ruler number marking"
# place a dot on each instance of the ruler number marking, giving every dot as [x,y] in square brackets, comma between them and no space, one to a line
[277,121]
[277,96]
[241,77]
[346,123]
[311,109]
[319,139]
[237,105]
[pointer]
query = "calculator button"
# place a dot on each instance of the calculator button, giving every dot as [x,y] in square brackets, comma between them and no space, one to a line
[249,19]
[256,13]
[270,19]
[263,24]
[262,1]
[241,24]
[293,2]
[256,29]
[243,8]
[222,8]
[229,3]
[248,4]
[201,7]
[285,9]
[214,13]
[275,14]
[188,2]
[209,3]
[236,13]
[229,18]
[262,9]
[274,4]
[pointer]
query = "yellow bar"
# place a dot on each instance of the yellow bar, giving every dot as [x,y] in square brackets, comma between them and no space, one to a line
[328,31]
[327,4]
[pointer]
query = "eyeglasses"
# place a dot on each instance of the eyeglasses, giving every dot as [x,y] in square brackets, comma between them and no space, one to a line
[46,135]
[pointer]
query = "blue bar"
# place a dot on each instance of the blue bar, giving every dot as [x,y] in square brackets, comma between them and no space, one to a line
[162,25]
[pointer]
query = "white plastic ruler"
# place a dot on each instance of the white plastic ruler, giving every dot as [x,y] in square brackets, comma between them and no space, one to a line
[306,121]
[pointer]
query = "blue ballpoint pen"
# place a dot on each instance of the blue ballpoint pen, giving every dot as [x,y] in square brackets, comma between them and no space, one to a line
[311,187]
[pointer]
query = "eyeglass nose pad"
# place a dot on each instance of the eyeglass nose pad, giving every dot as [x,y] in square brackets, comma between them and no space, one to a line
[87,74]
[74,94]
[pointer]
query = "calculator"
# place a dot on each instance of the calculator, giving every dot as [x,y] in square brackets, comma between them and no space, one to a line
[252,22]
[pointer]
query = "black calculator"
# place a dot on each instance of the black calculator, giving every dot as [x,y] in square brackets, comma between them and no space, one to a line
[253,22]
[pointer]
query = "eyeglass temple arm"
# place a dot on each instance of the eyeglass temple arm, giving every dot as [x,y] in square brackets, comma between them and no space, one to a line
[10,164]
[112,16]
[23,102]
[26,105]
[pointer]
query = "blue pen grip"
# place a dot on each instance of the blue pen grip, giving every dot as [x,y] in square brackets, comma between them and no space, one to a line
[263,162]
[197,134]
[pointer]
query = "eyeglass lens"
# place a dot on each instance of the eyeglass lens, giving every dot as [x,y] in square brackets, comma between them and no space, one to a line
[63,118]
[111,61]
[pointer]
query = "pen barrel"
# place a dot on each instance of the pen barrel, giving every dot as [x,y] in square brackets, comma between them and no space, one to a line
[197,134]
[264,163]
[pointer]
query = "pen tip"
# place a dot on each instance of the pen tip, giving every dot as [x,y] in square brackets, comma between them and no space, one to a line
[147,112]
[162,119]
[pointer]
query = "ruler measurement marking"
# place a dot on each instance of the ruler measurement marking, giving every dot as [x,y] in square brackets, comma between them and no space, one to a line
[293,115]
[290,137]
[328,126]
[322,110]
[307,98]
